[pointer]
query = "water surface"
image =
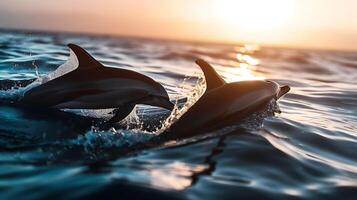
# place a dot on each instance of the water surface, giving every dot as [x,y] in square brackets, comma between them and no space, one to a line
[308,151]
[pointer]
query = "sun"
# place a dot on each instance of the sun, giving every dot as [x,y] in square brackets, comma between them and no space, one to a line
[254,14]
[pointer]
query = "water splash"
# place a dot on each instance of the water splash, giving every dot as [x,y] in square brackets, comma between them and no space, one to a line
[16,93]
[71,64]
[97,140]
[196,92]
[255,120]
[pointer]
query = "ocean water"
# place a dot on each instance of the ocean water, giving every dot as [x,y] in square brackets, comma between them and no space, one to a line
[305,151]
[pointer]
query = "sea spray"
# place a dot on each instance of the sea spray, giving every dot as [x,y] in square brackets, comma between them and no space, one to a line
[196,92]
[97,140]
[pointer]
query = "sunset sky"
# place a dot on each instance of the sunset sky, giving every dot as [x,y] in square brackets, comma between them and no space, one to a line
[328,24]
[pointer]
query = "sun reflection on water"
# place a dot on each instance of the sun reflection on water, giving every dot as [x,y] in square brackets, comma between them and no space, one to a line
[177,175]
[247,67]
[247,59]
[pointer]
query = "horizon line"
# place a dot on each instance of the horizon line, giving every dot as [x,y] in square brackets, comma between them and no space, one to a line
[163,38]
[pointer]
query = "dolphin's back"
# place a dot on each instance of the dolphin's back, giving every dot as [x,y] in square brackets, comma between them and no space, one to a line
[232,101]
[112,84]
[93,86]
[223,103]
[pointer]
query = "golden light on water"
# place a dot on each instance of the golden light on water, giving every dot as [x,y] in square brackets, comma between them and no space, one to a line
[246,69]
[247,59]
[177,175]
[242,73]
[248,48]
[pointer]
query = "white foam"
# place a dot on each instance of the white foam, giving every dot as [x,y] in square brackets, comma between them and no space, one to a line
[197,90]
[16,93]
[96,139]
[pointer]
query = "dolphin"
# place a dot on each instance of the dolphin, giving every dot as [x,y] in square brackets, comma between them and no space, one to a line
[223,103]
[93,86]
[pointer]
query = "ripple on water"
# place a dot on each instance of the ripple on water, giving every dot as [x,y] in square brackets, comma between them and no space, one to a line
[306,152]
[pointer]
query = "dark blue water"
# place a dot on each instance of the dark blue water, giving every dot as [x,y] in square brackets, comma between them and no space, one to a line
[308,151]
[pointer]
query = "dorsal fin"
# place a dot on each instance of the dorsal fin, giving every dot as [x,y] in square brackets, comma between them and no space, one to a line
[85,60]
[213,79]
[283,90]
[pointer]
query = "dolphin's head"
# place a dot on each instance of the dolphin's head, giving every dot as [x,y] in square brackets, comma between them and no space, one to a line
[158,97]
[280,90]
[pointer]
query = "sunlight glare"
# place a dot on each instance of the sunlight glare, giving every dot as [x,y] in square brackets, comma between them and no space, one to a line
[254,14]
[247,59]
[246,70]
